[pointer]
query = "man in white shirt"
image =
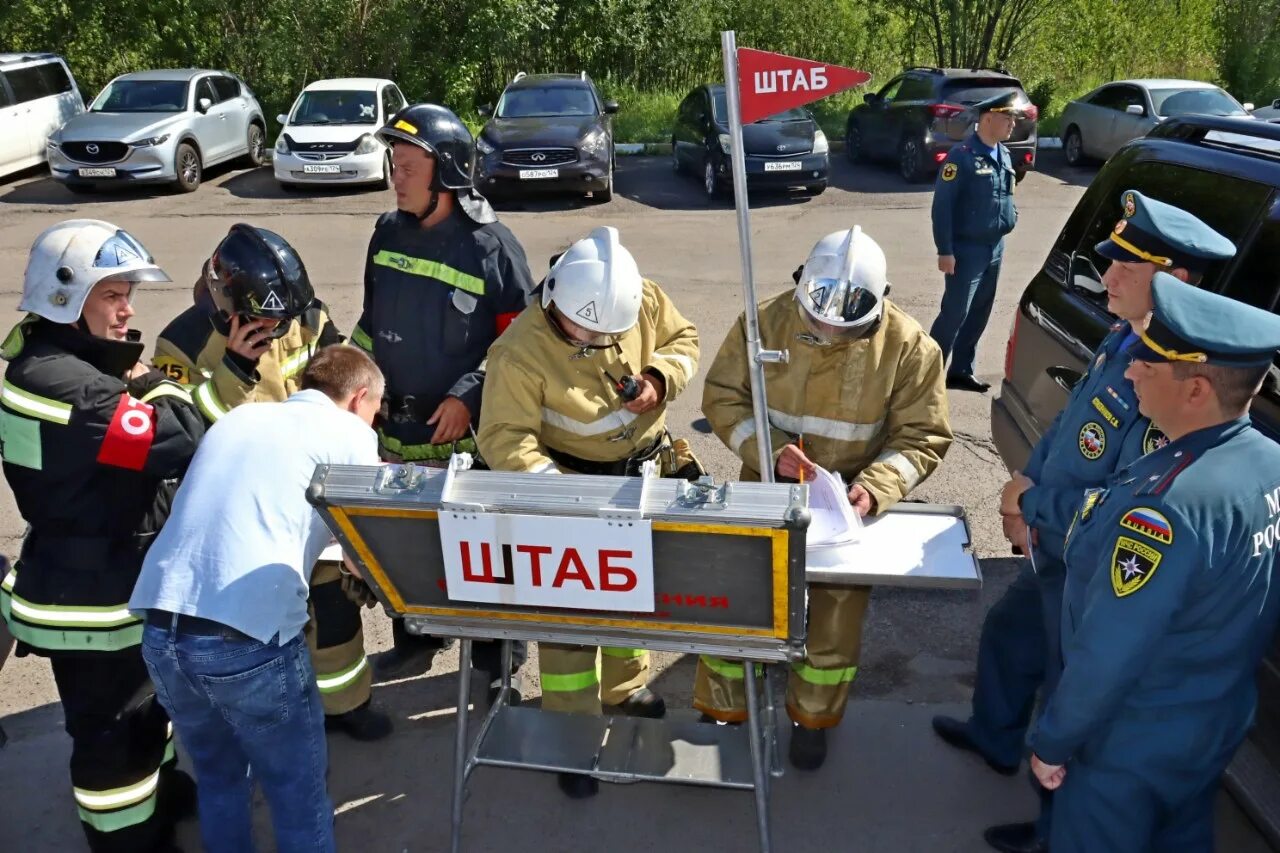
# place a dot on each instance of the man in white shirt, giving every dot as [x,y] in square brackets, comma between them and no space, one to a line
[224,594]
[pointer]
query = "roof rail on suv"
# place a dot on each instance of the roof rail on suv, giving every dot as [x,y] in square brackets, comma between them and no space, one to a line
[583,74]
[1195,128]
[520,75]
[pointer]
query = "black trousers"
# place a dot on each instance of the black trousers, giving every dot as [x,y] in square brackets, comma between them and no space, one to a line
[485,654]
[120,739]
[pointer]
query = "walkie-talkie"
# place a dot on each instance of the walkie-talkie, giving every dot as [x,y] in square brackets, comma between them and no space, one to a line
[627,387]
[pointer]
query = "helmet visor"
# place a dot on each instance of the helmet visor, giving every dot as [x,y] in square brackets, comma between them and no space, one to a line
[122,250]
[838,301]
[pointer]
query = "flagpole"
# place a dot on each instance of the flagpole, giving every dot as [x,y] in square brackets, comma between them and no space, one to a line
[756,356]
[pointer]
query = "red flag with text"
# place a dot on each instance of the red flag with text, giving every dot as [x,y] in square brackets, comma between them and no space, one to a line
[769,83]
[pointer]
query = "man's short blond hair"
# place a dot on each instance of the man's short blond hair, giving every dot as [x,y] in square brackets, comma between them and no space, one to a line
[341,370]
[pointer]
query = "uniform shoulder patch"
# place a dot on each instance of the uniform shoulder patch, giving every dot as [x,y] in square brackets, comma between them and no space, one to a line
[1133,564]
[1153,439]
[949,172]
[1149,523]
[1093,440]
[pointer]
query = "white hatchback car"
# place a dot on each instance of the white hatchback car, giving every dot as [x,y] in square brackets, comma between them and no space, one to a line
[328,135]
[37,95]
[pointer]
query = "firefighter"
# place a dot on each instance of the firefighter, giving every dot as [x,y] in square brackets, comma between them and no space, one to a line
[443,278]
[93,444]
[248,338]
[863,395]
[580,384]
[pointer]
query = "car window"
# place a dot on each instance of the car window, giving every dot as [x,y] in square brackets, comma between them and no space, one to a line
[544,101]
[888,93]
[28,84]
[1254,279]
[204,89]
[336,106]
[970,92]
[1228,205]
[915,88]
[1209,102]
[5,100]
[226,88]
[142,96]
[55,77]
[722,111]
[1112,98]
[391,102]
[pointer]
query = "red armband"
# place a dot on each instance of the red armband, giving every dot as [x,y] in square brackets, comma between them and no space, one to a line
[504,320]
[130,436]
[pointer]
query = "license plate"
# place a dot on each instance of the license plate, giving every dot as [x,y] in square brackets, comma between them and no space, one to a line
[96,173]
[538,174]
[782,166]
[322,170]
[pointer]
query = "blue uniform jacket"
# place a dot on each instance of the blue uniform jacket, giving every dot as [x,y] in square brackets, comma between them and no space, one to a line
[1099,431]
[1169,608]
[973,197]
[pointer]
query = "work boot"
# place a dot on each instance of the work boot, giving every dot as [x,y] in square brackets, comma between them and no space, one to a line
[808,747]
[363,723]
[176,794]
[956,733]
[576,786]
[643,703]
[406,661]
[1015,838]
[967,382]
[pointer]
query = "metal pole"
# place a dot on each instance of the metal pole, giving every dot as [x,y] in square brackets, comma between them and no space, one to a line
[460,744]
[771,722]
[756,356]
[755,738]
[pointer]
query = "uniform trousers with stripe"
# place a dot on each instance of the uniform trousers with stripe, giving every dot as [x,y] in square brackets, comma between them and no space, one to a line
[577,679]
[817,687]
[122,750]
[335,636]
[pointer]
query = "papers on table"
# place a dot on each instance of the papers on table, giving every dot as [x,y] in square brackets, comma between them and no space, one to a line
[834,520]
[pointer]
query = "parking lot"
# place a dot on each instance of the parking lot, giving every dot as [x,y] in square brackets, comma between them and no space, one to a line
[888,786]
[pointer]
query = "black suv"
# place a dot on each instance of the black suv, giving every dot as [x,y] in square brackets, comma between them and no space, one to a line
[921,113]
[1227,172]
[549,132]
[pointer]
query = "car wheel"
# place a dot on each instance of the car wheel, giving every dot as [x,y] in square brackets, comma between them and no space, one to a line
[257,152]
[711,184]
[816,189]
[909,159]
[186,164]
[676,168]
[81,189]
[387,169]
[605,195]
[1073,147]
[853,143]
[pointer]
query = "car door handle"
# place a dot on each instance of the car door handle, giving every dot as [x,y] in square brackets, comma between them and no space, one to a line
[1065,377]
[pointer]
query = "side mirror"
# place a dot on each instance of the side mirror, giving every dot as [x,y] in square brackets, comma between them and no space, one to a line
[1085,275]
[283,118]
[1135,110]
[485,110]
[870,98]
[203,105]
[610,107]
[1248,107]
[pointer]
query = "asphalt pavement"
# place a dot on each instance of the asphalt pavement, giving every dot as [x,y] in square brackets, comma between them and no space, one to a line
[889,785]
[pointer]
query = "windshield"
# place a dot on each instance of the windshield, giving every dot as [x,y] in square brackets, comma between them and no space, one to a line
[336,106]
[545,101]
[142,96]
[1205,102]
[721,108]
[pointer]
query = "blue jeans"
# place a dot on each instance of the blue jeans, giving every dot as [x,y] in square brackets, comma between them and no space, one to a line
[967,298]
[247,710]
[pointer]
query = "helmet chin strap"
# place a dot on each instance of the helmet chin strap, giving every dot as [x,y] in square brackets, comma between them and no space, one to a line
[431,206]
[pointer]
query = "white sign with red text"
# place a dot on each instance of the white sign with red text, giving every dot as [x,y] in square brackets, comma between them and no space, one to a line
[576,563]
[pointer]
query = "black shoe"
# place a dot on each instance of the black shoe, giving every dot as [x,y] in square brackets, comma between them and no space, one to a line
[576,786]
[808,747]
[363,723]
[1015,838]
[967,382]
[406,662]
[643,703]
[956,733]
[176,795]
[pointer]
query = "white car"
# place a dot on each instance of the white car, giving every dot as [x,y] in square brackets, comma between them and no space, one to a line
[328,135]
[37,95]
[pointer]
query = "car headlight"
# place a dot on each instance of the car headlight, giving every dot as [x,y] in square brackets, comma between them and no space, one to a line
[53,142]
[150,142]
[483,146]
[595,143]
[819,142]
[282,145]
[367,145]
[726,145]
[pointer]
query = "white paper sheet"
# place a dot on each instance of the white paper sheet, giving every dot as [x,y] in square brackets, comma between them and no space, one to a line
[901,549]
[833,520]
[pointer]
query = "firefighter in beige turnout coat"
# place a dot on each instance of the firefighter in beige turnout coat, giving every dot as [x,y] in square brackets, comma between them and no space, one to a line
[864,395]
[555,400]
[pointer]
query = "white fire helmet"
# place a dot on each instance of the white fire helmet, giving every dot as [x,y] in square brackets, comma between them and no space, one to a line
[596,285]
[67,260]
[840,292]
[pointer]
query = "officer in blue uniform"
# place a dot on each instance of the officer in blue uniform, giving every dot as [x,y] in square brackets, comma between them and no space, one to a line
[1169,602]
[1099,431]
[972,211]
